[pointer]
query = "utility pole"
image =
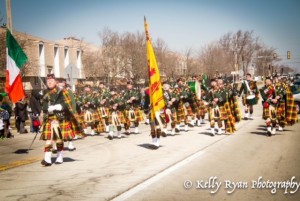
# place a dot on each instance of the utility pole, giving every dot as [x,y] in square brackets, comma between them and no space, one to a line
[8,16]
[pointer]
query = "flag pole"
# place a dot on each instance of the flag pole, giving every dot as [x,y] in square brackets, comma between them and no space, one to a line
[8,16]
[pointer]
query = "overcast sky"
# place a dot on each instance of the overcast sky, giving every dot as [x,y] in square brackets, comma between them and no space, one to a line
[181,24]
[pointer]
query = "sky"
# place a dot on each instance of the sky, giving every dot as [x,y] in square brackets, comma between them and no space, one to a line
[181,24]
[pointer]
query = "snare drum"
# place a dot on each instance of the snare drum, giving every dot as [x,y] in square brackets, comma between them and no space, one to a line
[251,99]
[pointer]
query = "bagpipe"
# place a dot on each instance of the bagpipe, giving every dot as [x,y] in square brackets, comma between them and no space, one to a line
[267,93]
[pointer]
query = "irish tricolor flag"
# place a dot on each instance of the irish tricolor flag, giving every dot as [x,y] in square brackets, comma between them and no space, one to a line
[15,59]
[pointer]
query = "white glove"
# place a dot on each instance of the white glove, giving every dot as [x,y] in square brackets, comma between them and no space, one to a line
[51,108]
[58,107]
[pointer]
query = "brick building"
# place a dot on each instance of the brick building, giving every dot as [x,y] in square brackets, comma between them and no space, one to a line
[63,58]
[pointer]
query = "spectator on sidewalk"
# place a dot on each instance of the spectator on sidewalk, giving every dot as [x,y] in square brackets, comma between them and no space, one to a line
[7,106]
[35,108]
[21,115]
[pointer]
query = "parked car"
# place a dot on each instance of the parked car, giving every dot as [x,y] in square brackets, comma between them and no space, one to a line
[297,102]
[295,88]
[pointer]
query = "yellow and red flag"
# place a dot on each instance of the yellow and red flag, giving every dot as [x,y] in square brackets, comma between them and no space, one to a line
[155,88]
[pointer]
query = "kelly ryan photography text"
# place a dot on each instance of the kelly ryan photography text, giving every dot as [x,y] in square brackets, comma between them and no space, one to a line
[289,186]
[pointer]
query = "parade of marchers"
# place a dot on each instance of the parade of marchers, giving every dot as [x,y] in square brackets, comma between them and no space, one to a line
[61,115]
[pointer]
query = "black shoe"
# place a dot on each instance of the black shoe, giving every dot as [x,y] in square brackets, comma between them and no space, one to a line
[54,151]
[163,134]
[177,130]
[72,149]
[110,137]
[269,133]
[190,125]
[44,163]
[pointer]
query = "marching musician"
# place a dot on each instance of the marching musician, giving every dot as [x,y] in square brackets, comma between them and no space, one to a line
[116,117]
[291,116]
[88,100]
[270,102]
[217,111]
[202,102]
[280,90]
[132,112]
[61,84]
[233,101]
[103,99]
[250,97]
[183,108]
[170,115]
[57,117]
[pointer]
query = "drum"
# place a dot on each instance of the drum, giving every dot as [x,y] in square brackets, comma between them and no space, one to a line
[195,88]
[251,99]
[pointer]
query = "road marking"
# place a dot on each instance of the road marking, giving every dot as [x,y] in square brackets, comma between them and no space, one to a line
[157,177]
[144,184]
[19,163]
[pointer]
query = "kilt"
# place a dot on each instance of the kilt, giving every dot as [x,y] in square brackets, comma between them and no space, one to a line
[80,120]
[268,113]
[230,124]
[77,125]
[65,127]
[280,109]
[189,111]
[180,112]
[100,113]
[291,113]
[235,109]
[120,117]
[223,112]
[95,116]
[202,108]
[99,127]
[138,114]
[92,120]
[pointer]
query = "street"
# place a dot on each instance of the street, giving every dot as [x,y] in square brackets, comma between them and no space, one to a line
[189,166]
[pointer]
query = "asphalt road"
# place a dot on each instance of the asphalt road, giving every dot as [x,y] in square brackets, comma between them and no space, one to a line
[188,166]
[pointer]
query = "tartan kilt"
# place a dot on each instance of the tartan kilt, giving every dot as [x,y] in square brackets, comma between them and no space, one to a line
[244,100]
[194,107]
[223,112]
[280,110]
[230,127]
[189,111]
[202,108]
[100,127]
[80,120]
[95,116]
[100,113]
[120,117]
[77,125]
[266,114]
[92,117]
[180,112]
[235,109]
[291,113]
[65,127]
[138,114]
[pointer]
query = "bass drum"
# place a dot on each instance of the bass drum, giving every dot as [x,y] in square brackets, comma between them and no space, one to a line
[195,87]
